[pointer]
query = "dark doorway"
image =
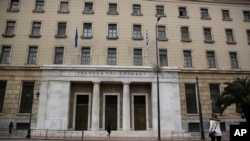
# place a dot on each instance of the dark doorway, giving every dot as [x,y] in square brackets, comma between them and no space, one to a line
[139,112]
[111,111]
[82,110]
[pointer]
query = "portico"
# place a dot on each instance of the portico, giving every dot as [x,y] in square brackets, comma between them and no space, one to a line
[92,98]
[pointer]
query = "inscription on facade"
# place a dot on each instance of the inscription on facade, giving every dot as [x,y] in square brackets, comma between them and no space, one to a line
[110,73]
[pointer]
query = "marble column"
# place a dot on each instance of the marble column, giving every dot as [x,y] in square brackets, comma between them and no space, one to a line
[154,106]
[126,107]
[95,107]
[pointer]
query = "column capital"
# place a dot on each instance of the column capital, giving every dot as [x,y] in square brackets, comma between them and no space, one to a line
[96,82]
[126,82]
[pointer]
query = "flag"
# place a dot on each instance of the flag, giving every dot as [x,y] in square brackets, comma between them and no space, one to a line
[76,38]
[147,39]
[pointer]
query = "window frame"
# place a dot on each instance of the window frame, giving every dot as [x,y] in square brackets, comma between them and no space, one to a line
[59,55]
[138,58]
[230,38]
[226,15]
[193,98]
[87,30]
[214,96]
[163,55]
[112,56]
[63,6]
[61,30]
[26,101]
[160,11]
[211,60]
[187,55]
[39,6]
[208,37]
[5,58]
[205,14]
[234,60]
[10,29]
[136,10]
[112,31]
[137,32]
[112,9]
[88,8]
[32,55]
[86,56]
[246,15]
[14,6]
[3,86]
[183,12]
[185,34]
[36,26]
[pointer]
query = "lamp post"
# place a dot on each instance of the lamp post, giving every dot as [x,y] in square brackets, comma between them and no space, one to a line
[31,103]
[157,75]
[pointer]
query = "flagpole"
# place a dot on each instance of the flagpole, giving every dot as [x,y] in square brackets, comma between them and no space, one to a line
[76,38]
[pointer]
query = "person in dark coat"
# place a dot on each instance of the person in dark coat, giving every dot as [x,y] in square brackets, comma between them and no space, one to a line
[109,131]
[10,127]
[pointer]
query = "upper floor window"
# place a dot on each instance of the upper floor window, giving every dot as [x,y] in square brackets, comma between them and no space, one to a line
[211,59]
[185,35]
[137,10]
[248,36]
[163,56]
[5,55]
[111,56]
[187,58]
[246,16]
[226,15]
[160,10]
[230,36]
[88,8]
[205,14]
[27,97]
[87,30]
[10,28]
[113,9]
[85,60]
[14,6]
[234,60]
[32,55]
[137,57]
[112,31]
[39,7]
[58,59]
[36,27]
[161,33]
[137,34]
[3,85]
[207,35]
[183,12]
[64,7]
[61,30]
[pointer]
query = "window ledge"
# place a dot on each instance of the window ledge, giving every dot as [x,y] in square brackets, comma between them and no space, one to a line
[162,39]
[136,14]
[246,20]
[87,12]
[61,36]
[206,18]
[23,114]
[38,11]
[184,17]
[63,12]
[34,36]
[8,35]
[232,43]
[11,10]
[164,15]
[227,19]
[86,37]
[139,38]
[186,40]
[112,13]
[112,38]
[209,41]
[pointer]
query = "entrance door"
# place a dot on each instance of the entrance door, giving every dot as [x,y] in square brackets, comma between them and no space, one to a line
[111,111]
[139,112]
[81,116]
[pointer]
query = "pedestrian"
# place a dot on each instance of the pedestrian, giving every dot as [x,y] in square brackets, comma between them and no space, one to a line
[109,131]
[215,127]
[10,127]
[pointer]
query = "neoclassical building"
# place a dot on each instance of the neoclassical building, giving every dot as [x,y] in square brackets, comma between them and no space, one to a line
[89,64]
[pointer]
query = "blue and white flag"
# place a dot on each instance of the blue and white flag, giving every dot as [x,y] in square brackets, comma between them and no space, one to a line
[76,38]
[147,39]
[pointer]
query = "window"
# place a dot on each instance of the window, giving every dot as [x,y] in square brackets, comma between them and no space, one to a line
[2,93]
[182,12]
[111,56]
[14,6]
[233,59]
[246,16]
[85,60]
[113,9]
[137,10]
[58,55]
[137,32]
[194,127]
[204,14]
[163,58]
[207,35]
[64,7]
[36,27]
[187,58]
[214,94]
[88,8]
[112,31]
[87,30]
[230,37]
[32,55]
[27,97]
[211,59]
[185,34]
[226,15]
[160,11]
[191,101]
[137,57]
[5,56]
[161,33]
[39,7]
[248,36]
[10,28]
[61,30]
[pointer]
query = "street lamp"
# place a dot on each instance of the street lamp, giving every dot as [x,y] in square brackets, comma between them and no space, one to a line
[157,75]
[31,101]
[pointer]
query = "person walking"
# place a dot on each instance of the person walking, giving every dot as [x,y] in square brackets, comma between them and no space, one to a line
[10,128]
[215,127]
[109,131]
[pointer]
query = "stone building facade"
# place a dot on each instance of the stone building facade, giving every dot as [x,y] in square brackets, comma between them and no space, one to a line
[108,77]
